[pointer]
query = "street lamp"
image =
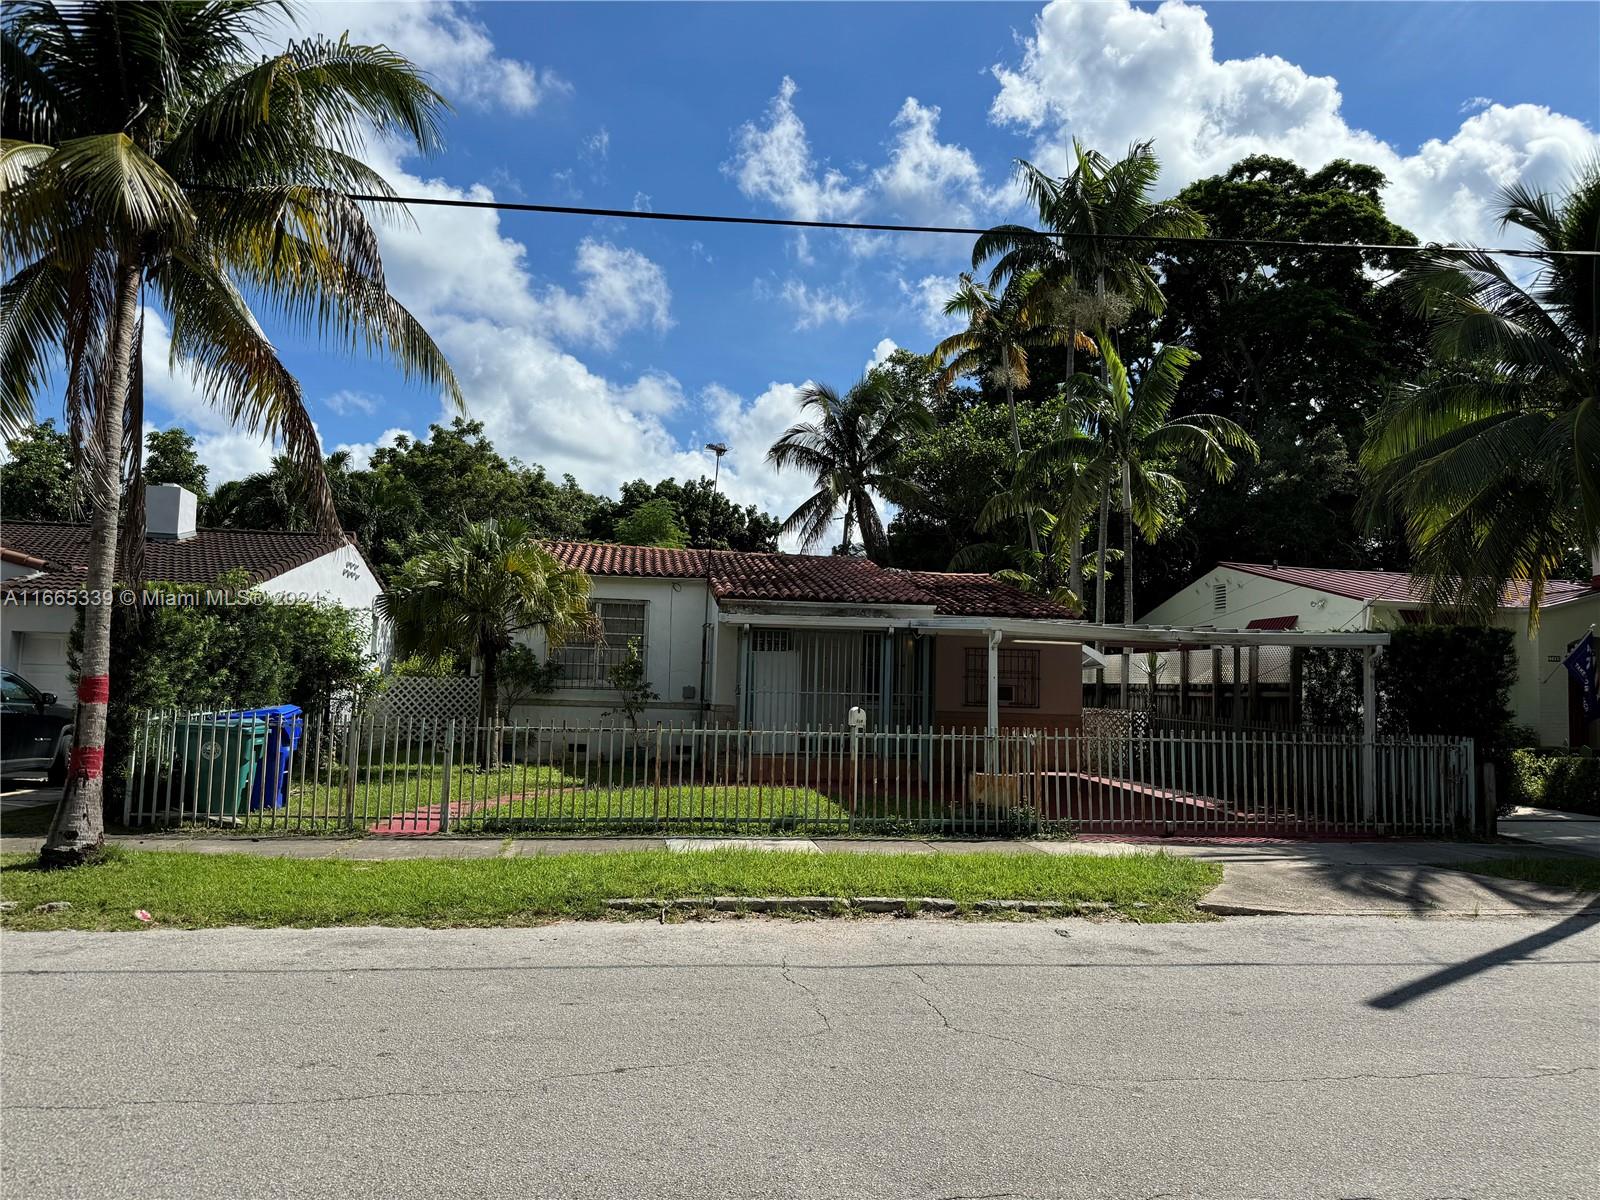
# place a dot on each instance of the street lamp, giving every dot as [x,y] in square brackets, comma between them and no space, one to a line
[719,449]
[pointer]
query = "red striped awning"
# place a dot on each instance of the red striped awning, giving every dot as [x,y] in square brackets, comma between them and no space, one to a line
[1274,623]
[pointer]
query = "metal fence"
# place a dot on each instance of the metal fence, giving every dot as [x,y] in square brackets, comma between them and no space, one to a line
[416,776]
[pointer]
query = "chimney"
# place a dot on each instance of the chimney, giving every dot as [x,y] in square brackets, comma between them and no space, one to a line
[168,512]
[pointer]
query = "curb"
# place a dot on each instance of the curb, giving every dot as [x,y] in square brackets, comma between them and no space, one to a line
[897,905]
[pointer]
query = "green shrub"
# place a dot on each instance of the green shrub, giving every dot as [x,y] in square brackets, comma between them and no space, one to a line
[1564,779]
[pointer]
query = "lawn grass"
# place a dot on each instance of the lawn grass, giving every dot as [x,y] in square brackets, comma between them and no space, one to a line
[1582,874]
[707,808]
[198,891]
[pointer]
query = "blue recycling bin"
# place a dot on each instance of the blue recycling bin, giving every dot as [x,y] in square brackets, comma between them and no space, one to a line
[285,724]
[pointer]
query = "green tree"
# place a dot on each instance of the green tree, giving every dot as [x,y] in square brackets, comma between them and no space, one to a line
[1134,440]
[1299,348]
[1099,269]
[710,520]
[653,523]
[153,147]
[470,594]
[1001,329]
[1492,458]
[170,457]
[36,478]
[852,449]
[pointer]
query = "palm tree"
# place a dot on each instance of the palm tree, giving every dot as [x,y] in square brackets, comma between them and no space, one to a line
[851,448]
[1097,269]
[1001,329]
[1492,459]
[470,594]
[1135,441]
[152,148]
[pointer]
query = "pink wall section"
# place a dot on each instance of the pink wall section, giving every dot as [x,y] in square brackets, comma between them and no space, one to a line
[1060,687]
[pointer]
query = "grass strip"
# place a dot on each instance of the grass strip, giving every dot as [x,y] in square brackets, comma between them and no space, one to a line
[1581,874]
[197,891]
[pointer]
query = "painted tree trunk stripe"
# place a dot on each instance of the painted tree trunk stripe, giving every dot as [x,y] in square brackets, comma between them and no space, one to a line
[94,689]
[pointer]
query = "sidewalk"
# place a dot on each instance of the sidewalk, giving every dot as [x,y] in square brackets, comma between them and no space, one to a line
[1376,878]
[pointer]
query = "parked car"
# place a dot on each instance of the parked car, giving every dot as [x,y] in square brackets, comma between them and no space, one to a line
[35,731]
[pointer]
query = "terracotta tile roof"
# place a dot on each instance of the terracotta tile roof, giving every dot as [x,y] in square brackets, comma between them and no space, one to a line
[1398,586]
[261,554]
[985,596]
[821,579]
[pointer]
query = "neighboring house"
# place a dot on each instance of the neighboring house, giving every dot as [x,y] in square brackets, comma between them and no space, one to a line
[781,641]
[43,566]
[1267,596]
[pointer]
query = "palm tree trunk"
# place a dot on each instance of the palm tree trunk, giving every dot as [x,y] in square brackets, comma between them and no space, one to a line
[1016,463]
[1127,544]
[1075,565]
[78,829]
[849,514]
[1100,562]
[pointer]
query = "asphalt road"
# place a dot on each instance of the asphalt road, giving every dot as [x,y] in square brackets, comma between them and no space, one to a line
[1298,1057]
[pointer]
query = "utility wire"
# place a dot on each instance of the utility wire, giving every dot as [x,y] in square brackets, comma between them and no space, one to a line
[628,214]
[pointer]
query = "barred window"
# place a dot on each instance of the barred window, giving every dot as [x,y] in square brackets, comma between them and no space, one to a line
[1019,678]
[588,664]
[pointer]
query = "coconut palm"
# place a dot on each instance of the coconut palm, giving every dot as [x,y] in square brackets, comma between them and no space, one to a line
[471,593]
[151,152]
[1493,458]
[1097,271]
[1001,328]
[1126,434]
[851,447]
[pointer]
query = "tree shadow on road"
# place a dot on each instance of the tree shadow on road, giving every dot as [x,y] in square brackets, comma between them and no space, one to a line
[1521,948]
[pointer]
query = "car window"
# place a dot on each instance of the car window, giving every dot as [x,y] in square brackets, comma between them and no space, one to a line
[15,690]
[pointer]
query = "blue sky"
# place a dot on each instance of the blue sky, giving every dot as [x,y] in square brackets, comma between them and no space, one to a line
[615,349]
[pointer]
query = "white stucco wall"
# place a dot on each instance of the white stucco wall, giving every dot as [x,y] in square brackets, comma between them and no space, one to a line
[1538,696]
[339,577]
[1251,597]
[675,612]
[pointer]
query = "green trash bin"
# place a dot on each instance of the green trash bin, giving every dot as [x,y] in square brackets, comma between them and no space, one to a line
[217,756]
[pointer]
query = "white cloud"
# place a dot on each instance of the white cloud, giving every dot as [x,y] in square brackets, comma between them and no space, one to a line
[361,452]
[773,163]
[749,429]
[622,290]
[813,306]
[641,202]
[456,51]
[1111,74]
[596,147]
[925,299]
[926,181]
[346,401]
[228,452]
[880,354]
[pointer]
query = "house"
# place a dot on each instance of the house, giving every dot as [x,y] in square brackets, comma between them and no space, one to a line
[781,641]
[1267,596]
[43,568]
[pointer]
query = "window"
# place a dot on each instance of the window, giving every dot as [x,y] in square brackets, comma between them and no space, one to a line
[769,640]
[588,664]
[1219,597]
[1019,678]
[17,692]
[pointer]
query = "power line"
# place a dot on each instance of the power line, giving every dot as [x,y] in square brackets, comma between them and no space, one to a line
[629,214]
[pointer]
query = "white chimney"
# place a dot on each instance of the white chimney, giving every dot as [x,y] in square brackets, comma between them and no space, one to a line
[168,512]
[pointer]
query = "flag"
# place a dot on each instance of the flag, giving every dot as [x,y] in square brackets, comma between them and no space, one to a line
[1580,664]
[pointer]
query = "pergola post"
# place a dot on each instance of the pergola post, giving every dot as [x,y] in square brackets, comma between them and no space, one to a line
[1183,682]
[1369,732]
[1127,670]
[992,718]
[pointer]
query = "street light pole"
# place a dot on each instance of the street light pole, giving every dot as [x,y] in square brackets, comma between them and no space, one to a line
[719,449]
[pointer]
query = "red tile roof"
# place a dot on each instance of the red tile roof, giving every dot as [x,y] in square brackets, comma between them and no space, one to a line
[261,554]
[1274,622]
[821,579]
[1399,586]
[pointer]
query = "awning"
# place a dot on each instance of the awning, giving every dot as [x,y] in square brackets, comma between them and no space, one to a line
[1274,623]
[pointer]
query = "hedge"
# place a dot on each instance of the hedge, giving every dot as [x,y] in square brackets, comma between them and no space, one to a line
[1564,779]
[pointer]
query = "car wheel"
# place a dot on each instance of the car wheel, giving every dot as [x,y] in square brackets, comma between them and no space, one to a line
[57,774]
